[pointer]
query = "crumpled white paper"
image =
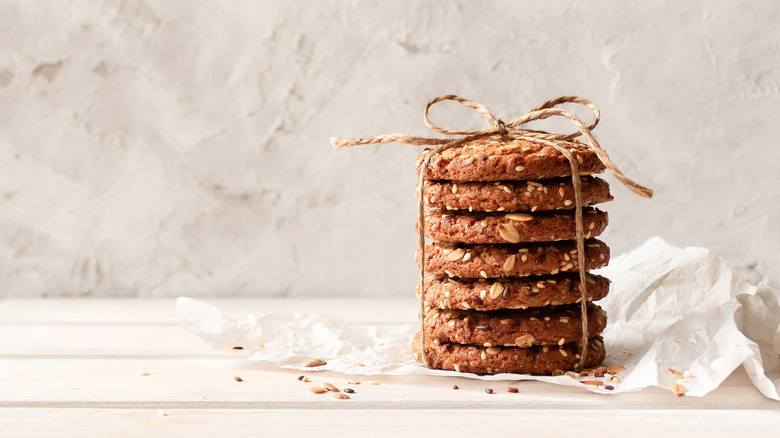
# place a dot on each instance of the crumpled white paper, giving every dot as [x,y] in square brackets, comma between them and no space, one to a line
[668,307]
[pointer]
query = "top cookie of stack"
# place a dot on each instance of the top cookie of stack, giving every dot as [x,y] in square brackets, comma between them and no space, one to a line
[502,288]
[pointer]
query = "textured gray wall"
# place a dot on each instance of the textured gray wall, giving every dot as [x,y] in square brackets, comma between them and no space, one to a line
[158,148]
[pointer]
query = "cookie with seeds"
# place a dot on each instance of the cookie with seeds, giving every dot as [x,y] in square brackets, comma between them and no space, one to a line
[555,325]
[514,160]
[521,260]
[466,227]
[524,196]
[520,360]
[511,292]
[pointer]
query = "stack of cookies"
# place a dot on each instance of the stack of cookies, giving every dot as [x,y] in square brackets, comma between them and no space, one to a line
[502,292]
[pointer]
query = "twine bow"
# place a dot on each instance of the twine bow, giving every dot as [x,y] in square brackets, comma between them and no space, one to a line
[510,131]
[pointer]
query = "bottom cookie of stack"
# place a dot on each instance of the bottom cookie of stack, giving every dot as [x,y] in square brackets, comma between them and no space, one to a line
[517,360]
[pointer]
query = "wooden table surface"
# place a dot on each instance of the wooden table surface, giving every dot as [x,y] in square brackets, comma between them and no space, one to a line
[103,367]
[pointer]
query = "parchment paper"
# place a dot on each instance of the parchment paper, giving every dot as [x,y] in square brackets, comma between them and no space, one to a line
[668,307]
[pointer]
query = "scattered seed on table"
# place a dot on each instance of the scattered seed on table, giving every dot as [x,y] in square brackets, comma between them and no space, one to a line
[354,382]
[238,347]
[512,389]
[489,390]
[373,382]
[341,396]
[609,387]
[300,377]
[238,379]
[349,390]
[454,386]
[317,390]
[330,387]
[314,363]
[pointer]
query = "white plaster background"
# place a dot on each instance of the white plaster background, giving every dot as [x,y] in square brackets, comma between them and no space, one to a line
[159,148]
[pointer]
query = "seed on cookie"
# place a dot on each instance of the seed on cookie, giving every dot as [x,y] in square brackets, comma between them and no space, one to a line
[495,290]
[455,255]
[524,341]
[509,263]
[522,217]
[509,233]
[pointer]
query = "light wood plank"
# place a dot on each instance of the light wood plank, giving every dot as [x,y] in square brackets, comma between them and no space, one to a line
[173,423]
[197,383]
[100,340]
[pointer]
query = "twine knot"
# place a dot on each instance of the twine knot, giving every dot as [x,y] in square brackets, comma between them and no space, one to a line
[501,126]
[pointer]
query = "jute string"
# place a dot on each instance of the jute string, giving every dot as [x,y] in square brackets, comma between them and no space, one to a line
[503,131]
